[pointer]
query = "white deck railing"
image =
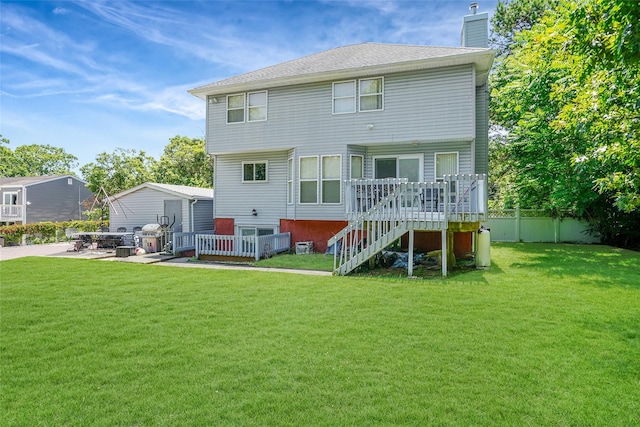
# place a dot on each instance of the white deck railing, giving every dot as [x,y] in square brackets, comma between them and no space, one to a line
[182,242]
[381,211]
[242,246]
[465,200]
[11,213]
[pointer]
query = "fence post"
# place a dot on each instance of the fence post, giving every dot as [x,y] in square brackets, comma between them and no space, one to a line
[517,223]
[197,241]
[257,239]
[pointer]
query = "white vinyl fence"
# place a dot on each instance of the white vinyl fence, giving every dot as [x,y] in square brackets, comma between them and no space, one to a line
[242,246]
[528,225]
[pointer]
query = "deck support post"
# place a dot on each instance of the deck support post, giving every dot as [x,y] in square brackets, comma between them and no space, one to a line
[410,267]
[444,253]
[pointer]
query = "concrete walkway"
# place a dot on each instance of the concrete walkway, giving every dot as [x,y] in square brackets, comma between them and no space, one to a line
[63,250]
[184,262]
[13,252]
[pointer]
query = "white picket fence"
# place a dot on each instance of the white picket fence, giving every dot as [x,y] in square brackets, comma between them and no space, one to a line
[242,246]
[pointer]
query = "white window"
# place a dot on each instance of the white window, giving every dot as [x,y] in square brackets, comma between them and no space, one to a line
[331,176]
[254,171]
[235,108]
[405,166]
[308,180]
[446,164]
[252,231]
[357,167]
[370,93]
[344,97]
[290,181]
[257,106]
[10,198]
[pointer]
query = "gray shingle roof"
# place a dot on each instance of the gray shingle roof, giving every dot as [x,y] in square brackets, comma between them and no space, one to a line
[348,60]
[30,180]
[192,192]
[185,191]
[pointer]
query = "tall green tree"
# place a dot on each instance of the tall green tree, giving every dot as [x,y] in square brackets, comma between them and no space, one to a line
[567,93]
[185,162]
[6,158]
[513,17]
[118,171]
[34,160]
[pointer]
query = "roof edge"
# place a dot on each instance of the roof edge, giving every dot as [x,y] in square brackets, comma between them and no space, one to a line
[483,59]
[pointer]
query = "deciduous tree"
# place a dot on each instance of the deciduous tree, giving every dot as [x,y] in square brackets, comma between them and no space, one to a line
[185,162]
[34,160]
[567,92]
[118,171]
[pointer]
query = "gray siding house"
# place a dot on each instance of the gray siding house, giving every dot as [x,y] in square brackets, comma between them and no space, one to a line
[188,209]
[32,199]
[302,146]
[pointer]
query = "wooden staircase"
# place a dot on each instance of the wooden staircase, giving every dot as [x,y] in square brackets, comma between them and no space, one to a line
[382,211]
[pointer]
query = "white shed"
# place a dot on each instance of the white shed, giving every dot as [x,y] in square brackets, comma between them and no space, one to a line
[187,209]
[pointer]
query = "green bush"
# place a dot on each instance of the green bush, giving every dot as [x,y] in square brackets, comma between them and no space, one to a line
[45,231]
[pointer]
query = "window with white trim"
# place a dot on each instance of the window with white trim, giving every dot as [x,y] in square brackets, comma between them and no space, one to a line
[344,97]
[257,106]
[447,164]
[331,177]
[254,171]
[308,180]
[371,94]
[253,231]
[290,181]
[357,167]
[235,108]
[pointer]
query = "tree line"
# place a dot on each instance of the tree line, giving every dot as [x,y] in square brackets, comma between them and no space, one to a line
[565,112]
[184,161]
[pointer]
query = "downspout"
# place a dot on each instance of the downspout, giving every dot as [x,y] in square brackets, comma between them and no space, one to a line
[191,227]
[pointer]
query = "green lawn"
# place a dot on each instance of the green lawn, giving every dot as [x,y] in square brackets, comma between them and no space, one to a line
[549,336]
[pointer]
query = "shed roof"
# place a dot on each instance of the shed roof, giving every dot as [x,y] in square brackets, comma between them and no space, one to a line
[184,191]
[350,61]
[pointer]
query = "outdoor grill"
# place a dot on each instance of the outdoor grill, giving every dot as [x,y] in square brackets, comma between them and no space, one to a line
[152,235]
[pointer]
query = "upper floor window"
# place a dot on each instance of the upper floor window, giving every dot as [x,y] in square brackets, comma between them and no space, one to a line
[235,108]
[254,171]
[344,97]
[253,106]
[257,106]
[371,91]
[365,95]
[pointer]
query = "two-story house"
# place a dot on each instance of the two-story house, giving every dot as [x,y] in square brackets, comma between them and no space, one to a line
[31,199]
[333,142]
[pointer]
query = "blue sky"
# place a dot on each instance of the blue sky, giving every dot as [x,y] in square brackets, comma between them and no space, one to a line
[92,76]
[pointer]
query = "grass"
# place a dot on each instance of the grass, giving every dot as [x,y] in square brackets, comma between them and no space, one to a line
[549,336]
[320,262]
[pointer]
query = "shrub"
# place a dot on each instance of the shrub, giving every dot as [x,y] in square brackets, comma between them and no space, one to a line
[46,231]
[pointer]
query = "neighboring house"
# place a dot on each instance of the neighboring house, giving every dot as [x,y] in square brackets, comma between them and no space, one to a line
[186,209]
[27,200]
[302,146]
